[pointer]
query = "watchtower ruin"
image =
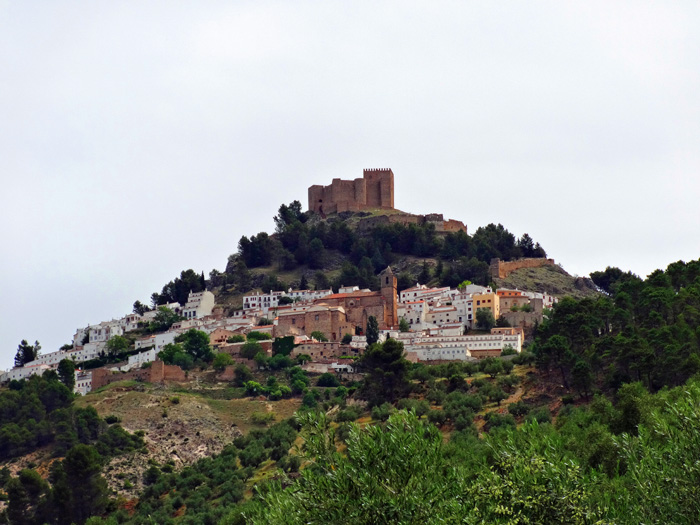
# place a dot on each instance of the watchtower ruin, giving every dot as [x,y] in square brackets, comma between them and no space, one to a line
[374,190]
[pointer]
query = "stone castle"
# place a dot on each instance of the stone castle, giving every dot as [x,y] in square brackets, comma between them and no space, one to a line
[374,190]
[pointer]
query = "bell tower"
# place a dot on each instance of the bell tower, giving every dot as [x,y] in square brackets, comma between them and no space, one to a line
[388,290]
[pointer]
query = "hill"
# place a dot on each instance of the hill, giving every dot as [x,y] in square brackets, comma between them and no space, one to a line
[553,280]
[350,248]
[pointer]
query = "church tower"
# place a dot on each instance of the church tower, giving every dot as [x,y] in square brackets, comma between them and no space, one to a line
[388,290]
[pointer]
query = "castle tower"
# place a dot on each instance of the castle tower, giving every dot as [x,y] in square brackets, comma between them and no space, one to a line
[388,290]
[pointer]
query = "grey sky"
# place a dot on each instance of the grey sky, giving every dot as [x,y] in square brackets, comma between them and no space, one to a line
[138,139]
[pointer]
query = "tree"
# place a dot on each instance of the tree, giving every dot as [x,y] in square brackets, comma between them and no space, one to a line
[387,372]
[236,338]
[582,377]
[317,254]
[241,375]
[484,319]
[196,343]
[221,361]
[502,322]
[463,285]
[163,319]
[66,373]
[491,366]
[424,276]
[25,493]
[283,345]
[319,336]
[321,281]
[26,352]
[328,380]
[555,352]
[140,308]
[372,330]
[117,345]
[403,325]
[83,467]
[250,349]
[347,339]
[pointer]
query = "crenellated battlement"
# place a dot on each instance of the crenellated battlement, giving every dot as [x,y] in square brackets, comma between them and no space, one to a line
[374,190]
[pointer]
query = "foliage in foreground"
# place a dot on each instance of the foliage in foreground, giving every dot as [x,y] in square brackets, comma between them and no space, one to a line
[403,473]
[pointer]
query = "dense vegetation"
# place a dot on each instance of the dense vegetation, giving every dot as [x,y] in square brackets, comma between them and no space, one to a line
[38,412]
[403,473]
[644,330]
[299,241]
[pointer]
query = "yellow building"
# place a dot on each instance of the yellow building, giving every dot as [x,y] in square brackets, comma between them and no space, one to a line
[487,300]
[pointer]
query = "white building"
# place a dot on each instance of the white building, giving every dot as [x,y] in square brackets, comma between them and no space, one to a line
[307,295]
[23,372]
[144,357]
[414,312]
[103,332]
[164,339]
[440,315]
[83,382]
[199,304]
[262,301]
[146,342]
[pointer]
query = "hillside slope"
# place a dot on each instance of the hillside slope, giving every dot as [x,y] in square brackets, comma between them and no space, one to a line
[553,280]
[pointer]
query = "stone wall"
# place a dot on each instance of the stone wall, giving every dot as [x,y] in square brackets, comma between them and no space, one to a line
[158,372]
[501,269]
[441,225]
[374,190]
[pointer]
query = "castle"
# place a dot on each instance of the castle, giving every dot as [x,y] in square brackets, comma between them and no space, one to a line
[374,190]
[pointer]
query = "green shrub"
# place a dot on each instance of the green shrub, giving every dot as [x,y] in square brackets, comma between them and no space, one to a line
[262,418]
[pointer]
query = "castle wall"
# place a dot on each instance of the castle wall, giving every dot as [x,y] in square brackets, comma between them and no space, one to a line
[158,372]
[501,269]
[374,190]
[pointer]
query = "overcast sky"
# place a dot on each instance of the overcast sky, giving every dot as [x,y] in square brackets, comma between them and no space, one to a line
[138,139]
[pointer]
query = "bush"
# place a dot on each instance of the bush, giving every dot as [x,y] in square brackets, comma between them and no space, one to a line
[524,358]
[351,413]
[309,400]
[495,420]
[258,336]
[262,418]
[175,400]
[382,412]
[235,338]
[151,475]
[110,419]
[328,380]
[420,407]
[519,409]
[437,417]
[508,350]
[221,361]
[540,414]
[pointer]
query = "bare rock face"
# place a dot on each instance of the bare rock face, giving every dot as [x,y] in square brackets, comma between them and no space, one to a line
[178,431]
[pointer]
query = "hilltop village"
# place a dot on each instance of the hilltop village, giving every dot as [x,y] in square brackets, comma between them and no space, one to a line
[435,324]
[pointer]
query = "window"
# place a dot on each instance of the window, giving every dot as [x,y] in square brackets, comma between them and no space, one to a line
[316,317]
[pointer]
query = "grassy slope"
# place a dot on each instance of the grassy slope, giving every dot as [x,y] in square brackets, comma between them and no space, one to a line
[551,279]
